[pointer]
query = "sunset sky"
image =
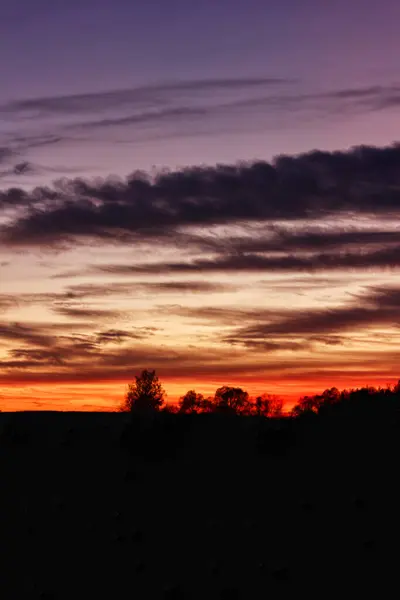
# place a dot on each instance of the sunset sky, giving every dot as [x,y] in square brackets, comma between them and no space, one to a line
[210,189]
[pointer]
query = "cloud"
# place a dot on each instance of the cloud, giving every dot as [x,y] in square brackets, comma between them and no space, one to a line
[303,283]
[153,102]
[23,168]
[35,334]
[7,302]
[117,336]
[220,316]
[371,310]
[25,357]
[87,314]
[182,112]
[28,168]
[154,116]
[288,218]
[56,301]
[82,361]
[5,154]
[358,99]
[182,287]
[266,343]
[43,346]
[231,364]
[256,263]
[364,180]
[276,249]
[17,145]
[302,239]
[32,335]
[43,121]
[363,99]
[20,169]
[102,356]
[27,142]
[265,346]
[175,109]
[94,102]
[355,100]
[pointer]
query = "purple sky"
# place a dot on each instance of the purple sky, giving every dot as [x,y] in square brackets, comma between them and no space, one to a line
[52,48]
[55,47]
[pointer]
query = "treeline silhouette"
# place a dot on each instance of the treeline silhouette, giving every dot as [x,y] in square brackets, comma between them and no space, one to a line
[146,396]
[160,430]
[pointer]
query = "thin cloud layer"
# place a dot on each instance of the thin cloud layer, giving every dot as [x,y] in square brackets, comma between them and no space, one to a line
[67,302]
[172,110]
[41,352]
[254,263]
[157,93]
[351,101]
[202,97]
[376,309]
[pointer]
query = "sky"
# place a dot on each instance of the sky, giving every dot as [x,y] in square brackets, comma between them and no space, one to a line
[209,189]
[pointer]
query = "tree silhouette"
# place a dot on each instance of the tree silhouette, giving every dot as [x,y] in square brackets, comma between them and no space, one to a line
[231,400]
[352,404]
[145,395]
[207,405]
[395,389]
[170,409]
[267,406]
[307,405]
[191,403]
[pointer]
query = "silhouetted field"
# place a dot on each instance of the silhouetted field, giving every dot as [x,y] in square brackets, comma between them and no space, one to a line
[196,506]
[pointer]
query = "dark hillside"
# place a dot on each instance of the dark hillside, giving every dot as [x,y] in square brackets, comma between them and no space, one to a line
[242,506]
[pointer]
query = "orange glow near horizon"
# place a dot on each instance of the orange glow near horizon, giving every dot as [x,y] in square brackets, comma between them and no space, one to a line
[107,396]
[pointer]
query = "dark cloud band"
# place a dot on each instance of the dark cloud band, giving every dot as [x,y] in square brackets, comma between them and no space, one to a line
[364,180]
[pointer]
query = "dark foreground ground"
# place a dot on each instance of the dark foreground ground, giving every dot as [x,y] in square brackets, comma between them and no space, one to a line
[227,517]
